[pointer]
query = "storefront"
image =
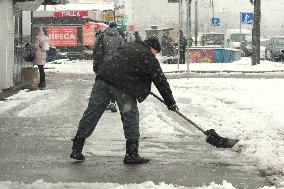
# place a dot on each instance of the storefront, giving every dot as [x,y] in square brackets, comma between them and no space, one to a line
[71,32]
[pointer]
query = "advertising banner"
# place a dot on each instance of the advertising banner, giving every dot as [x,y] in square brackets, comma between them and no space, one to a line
[63,35]
[88,34]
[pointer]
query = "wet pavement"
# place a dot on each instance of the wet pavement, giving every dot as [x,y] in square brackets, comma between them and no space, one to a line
[37,146]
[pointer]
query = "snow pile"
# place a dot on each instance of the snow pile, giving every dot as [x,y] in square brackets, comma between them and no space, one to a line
[67,66]
[146,185]
[242,65]
[239,108]
[22,96]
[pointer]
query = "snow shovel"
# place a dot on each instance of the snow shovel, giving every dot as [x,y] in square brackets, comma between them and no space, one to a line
[212,137]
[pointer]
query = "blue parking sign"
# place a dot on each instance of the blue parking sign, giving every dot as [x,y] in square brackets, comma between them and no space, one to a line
[247,17]
[215,21]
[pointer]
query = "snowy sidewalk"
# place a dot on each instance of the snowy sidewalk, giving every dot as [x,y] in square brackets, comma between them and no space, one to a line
[37,127]
[243,65]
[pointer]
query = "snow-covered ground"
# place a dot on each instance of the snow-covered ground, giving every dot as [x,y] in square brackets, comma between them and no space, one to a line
[146,185]
[248,109]
[242,65]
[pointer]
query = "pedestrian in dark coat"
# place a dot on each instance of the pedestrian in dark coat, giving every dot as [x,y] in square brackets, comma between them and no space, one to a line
[167,47]
[182,47]
[127,78]
[106,45]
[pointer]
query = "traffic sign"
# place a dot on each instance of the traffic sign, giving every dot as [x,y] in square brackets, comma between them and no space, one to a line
[215,21]
[247,17]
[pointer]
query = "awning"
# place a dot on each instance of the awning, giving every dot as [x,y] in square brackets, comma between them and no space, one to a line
[24,5]
[32,5]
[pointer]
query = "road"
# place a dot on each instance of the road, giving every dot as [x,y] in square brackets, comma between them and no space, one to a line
[37,146]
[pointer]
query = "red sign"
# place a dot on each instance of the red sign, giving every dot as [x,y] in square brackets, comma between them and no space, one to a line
[88,34]
[89,30]
[71,14]
[63,35]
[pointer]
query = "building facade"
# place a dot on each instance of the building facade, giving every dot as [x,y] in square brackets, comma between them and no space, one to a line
[11,37]
[7,44]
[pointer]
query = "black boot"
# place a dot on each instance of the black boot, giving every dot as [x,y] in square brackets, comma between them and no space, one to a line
[77,148]
[132,156]
[41,85]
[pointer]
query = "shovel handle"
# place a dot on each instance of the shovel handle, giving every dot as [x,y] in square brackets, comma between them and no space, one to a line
[179,113]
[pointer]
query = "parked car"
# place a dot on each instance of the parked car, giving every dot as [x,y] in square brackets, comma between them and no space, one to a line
[213,39]
[233,37]
[263,45]
[275,49]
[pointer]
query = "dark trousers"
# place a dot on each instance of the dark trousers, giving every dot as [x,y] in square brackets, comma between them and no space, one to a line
[182,57]
[101,94]
[41,73]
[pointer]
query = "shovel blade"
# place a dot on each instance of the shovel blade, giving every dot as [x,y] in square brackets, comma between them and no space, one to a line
[220,142]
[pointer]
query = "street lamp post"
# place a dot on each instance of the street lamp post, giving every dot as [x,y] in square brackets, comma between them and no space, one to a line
[196,21]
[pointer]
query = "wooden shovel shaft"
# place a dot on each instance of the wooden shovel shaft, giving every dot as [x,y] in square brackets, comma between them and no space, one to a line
[179,113]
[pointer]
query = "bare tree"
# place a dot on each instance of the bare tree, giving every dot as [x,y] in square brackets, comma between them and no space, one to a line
[256,32]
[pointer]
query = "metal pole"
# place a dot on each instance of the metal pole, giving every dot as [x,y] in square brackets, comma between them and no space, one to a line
[181,17]
[196,21]
[188,22]
[32,15]
[241,34]
[213,14]
[180,26]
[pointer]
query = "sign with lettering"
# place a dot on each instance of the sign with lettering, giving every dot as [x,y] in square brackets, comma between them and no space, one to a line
[71,14]
[63,35]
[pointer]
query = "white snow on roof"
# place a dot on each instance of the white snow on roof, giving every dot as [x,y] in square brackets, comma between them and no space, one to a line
[94,6]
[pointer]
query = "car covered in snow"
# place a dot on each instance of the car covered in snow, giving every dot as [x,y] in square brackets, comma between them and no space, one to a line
[275,49]
[233,37]
[263,44]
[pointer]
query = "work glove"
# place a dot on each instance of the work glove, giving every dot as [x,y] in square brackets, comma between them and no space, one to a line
[173,107]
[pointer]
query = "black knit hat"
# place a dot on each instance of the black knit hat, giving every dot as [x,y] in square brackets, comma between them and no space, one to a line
[112,25]
[154,43]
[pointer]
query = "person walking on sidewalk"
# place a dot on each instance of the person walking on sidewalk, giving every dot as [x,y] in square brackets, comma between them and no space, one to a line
[127,78]
[41,45]
[182,47]
[106,45]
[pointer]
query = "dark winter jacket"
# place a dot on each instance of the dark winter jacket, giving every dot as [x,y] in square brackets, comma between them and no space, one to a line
[132,69]
[106,45]
[112,40]
[182,42]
